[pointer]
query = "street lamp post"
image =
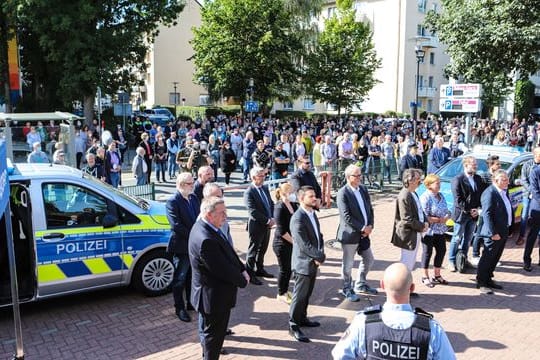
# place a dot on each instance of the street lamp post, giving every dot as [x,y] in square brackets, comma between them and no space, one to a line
[175,101]
[250,89]
[420,53]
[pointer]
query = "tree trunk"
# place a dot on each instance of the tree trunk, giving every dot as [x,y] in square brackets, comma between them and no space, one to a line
[88,106]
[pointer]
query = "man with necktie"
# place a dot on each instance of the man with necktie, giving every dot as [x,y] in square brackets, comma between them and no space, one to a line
[307,256]
[260,209]
[498,216]
[182,211]
[355,226]
[217,275]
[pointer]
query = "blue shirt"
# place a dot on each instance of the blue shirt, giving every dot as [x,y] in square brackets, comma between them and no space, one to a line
[397,316]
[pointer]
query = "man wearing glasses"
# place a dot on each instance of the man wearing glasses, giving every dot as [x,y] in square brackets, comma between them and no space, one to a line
[182,212]
[305,177]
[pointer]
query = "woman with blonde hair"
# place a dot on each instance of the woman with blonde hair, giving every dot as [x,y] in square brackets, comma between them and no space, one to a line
[283,242]
[436,210]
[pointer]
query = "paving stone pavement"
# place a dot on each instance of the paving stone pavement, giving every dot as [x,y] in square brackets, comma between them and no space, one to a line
[121,324]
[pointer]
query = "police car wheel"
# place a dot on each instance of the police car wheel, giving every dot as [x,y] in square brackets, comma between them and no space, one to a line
[154,273]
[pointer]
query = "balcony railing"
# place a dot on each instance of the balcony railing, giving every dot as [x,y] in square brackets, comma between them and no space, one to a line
[427,92]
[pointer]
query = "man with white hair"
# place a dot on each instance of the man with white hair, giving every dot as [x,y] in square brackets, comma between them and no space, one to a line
[139,167]
[37,156]
[438,156]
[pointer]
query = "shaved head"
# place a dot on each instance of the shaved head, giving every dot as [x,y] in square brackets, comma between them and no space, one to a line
[397,282]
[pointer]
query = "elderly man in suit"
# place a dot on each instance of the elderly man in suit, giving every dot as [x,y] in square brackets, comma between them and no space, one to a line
[355,226]
[412,160]
[498,216]
[217,275]
[182,211]
[307,256]
[261,211]
[410,221]
[466,189]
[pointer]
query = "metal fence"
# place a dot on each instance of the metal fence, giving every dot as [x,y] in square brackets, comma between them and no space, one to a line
[147,191]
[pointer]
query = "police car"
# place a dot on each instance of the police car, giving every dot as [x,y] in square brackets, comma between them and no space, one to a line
[73,233]
[511,160]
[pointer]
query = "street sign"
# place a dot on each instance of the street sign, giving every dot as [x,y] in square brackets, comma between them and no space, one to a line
[251,106]
[460,105]
[123,110]
[460,90]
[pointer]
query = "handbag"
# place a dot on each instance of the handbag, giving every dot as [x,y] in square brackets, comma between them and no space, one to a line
[363,245]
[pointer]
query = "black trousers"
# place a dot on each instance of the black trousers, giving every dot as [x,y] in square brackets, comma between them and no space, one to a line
[303,288]
[259,236]
[283,251]
[212,329]
[534,227]
[181,283]
[433,241]
[488,260]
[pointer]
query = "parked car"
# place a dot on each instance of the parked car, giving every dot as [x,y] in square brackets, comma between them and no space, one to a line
[511,160]
[159,116]
[74,233]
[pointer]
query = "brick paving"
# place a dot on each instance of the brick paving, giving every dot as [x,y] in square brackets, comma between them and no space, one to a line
[121,324]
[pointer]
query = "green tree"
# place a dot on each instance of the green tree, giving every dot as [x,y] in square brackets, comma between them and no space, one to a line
[86,44]
[341,68]
[524,98]
[243,39]
[489,41]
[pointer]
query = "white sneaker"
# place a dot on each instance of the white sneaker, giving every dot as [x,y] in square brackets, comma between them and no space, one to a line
[474,261]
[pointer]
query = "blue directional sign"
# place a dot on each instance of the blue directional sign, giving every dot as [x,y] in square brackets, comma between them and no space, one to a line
[448,105]
[449,90]
[251,106]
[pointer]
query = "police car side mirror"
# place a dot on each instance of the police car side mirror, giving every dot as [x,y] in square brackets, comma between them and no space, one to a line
[109,221]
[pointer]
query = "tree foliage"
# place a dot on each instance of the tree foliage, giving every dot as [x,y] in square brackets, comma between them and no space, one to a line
[243,39]
[524,98]
[341,68]
[70,47]
[489,41]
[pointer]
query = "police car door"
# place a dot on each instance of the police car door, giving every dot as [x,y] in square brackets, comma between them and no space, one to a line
[76,249]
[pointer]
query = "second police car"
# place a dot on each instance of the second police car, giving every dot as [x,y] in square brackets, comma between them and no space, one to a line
[73,233]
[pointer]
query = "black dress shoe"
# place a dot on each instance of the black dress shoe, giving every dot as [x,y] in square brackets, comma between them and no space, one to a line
[309,323]
[183,315]
[229,332]
[527,267]
[298,334]
[494,285]
[223,351]
[264,273]
[190,307]
[253,280]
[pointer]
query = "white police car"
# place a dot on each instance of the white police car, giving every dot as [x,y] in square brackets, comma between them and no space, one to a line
[511,160]
[73,233]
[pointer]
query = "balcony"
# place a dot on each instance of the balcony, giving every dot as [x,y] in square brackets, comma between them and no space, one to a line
[427,92]
[431,42]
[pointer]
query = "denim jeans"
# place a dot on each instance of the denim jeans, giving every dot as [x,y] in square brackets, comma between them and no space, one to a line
[246,167]
[115,179]
[181,281]
[463,233]
[173,166]
[364,265]
[524,215]
[160,169]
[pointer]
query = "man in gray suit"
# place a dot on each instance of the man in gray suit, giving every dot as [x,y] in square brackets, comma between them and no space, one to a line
[355,226]
[307,256]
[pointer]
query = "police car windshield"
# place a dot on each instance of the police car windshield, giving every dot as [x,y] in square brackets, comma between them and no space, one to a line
[140,202]
[455,167]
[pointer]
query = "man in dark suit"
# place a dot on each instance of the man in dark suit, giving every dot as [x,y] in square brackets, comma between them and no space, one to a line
[466,189]
[307,256]
[182,211]
[217,275]
[534,214]
[498,216]
[412,160]
[305,177]
[355,226]
[261,211]
[205,175]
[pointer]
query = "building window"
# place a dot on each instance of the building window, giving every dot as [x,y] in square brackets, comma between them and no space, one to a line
[432,58]
[204,100]
[421,80]
[422,5]
[331,107]
[434,7]
[308,104]
[287,105]
[330,12]
[429,106]
[430,82]
[420,30]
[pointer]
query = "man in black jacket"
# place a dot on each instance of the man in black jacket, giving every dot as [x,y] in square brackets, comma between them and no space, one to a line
[305,177]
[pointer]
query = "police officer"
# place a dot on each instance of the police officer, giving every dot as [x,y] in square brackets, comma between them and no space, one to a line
[394,330]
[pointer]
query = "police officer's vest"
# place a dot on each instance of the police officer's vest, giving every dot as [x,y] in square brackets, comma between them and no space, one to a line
[383,342]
